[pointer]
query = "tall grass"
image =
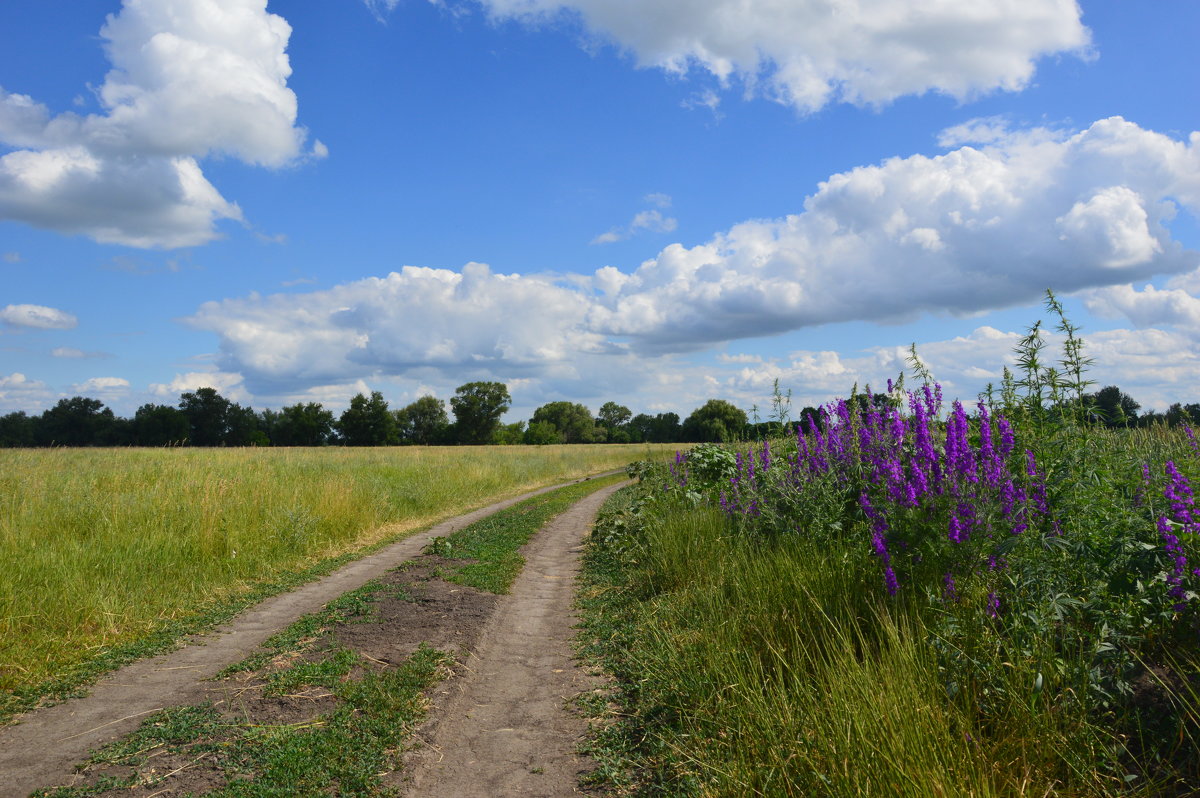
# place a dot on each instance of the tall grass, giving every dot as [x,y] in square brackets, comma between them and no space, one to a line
[101,547]
[779,670]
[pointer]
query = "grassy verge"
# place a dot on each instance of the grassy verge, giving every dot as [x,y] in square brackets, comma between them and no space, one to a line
[110,556]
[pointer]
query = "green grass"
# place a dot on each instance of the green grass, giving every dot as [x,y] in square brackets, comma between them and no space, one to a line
[751,668]
[493,542]
[111,555]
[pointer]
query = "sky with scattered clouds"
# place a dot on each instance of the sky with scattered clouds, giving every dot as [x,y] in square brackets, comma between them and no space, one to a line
[644,201]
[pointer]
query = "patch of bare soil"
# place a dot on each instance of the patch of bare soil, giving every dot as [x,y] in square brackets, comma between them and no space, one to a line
[414,607]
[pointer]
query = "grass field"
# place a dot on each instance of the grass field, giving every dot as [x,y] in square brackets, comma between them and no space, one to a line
[101,549]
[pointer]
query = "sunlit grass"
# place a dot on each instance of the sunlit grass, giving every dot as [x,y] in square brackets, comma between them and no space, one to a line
[100,547]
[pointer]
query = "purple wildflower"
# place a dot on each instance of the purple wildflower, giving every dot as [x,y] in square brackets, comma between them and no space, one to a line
[949,589]
[1179,562]
[1179,493]
[1007,438]
[879,528]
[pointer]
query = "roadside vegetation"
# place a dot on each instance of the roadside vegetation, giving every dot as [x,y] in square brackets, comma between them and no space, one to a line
[107,556]
[904,596]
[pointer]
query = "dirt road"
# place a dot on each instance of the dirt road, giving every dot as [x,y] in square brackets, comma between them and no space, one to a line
[43,747]
[507,729]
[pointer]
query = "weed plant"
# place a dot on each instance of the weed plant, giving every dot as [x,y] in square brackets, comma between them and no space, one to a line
[906,599]
[106,555]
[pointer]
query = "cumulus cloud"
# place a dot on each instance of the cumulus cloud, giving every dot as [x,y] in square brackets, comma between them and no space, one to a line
[38,317]
[18,392]
[411,319]
[228,385]
[975,229]
[808,54]
[1155,366]
[102,387]
[651,220]
[1148,307]
[189,78]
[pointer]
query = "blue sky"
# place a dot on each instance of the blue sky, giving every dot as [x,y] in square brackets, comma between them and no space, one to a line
[649,202]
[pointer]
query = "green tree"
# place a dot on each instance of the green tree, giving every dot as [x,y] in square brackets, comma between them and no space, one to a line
[716,421]
[662,428]
[424,422]
[303,425]
[207,414]
[615,420]
[573,421]
[17,429]
[367,422]
[78,421]
[542,433]
[509,434]
[1112,406]
[160,425]
[477,408]
[613,415]
[241,428]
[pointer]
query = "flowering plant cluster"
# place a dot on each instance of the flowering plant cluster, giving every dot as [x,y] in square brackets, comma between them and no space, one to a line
[986,521]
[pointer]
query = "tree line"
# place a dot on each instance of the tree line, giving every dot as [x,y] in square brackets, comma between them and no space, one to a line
[205,418]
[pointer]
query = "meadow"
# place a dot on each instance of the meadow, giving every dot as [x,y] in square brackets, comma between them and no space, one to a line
[109,554]
[907,597]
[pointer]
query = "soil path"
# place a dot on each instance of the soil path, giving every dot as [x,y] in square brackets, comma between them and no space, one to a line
[507,728]
[42,747]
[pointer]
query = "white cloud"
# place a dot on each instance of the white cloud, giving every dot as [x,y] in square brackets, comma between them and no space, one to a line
[132,200]
[381,7]
[71,353]
[652,220]
[723,357]
[103,387]
[38,316]
[808,54]
[1148,307]
[658,199]
[611,237]
[228,385]
[1156,367]
[189,78]
[18,392]
[12,257]
[411,319]
[963,233]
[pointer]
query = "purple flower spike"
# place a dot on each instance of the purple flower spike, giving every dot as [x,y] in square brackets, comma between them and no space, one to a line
[1179,563]
[949,589]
